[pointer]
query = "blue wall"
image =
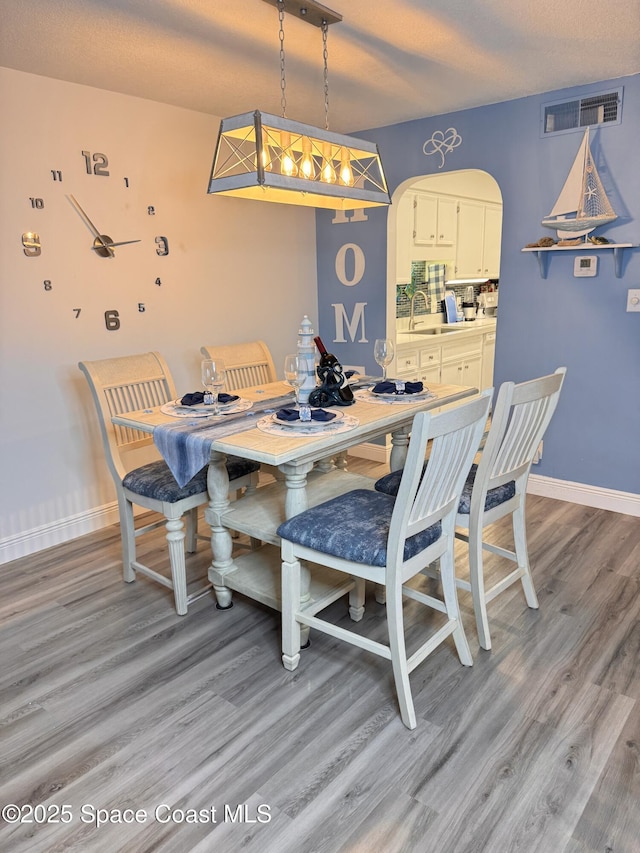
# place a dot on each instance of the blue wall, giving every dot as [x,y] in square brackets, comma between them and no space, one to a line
[561,320]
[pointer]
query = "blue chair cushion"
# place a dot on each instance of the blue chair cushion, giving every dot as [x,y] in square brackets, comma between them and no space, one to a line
[156,481]
[390,483]
[354,526]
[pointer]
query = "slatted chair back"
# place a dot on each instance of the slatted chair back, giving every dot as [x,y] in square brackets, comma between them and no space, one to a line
[520,419]
[246,364]
[498,489]
[425,500]
[126,384]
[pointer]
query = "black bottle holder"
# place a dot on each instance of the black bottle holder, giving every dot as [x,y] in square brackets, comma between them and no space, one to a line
[332,379]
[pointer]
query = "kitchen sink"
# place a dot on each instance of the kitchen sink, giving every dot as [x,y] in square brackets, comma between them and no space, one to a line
[438,330]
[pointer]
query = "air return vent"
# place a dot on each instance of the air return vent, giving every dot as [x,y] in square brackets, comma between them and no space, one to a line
[565,116]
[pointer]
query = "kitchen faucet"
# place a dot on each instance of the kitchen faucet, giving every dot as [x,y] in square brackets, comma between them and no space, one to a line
[412,320]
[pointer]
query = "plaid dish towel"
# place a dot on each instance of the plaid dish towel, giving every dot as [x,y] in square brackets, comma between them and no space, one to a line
[435,285]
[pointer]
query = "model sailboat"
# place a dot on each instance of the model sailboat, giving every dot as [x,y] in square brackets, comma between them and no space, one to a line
[582,204]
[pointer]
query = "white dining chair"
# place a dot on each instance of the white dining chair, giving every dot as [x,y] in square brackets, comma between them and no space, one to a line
[131,383]
[497,486]
[375,537]
[246,364]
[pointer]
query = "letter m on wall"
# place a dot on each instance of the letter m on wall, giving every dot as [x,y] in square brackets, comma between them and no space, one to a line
[357,319]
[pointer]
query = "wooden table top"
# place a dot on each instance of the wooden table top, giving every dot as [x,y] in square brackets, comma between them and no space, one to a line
[374,418]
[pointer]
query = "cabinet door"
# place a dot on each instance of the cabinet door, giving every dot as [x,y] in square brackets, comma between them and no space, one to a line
[471,371]
[451,372]
[430,359]
[425,227]
[430,375]
[407,363]
[492,241]
[404,238]
[435,220]
[470,245]
[488,358]
[447,230]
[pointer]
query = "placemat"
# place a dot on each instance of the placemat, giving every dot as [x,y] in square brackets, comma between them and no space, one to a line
[268,425]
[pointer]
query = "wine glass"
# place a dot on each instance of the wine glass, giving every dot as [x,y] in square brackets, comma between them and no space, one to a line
[383,353]
[295,373]
[213,375]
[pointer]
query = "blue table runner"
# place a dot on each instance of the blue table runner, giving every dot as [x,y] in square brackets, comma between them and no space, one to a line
[186,447]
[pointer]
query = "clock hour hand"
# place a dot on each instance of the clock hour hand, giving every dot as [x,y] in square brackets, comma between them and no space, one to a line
[100,243]
[105,243]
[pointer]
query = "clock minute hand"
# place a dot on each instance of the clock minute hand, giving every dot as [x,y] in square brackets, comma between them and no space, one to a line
[103,244]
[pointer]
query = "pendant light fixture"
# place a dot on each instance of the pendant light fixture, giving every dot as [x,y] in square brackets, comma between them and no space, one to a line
[273,158]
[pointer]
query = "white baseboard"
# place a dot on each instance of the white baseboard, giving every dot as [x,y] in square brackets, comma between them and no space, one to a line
[581,493]
[46,535]
[375,452]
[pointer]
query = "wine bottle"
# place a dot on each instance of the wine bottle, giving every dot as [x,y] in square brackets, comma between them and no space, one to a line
[331,367]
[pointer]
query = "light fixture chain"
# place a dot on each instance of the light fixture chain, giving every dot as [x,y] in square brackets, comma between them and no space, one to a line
[325,56]
[283,82]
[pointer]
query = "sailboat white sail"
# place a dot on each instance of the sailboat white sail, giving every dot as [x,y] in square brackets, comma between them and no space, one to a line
[582,204]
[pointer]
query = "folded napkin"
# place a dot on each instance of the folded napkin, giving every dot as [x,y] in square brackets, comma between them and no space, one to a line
[197,398]
[397,387]
[294,415]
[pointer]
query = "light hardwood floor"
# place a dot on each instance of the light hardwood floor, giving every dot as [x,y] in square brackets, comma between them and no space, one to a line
[112,701]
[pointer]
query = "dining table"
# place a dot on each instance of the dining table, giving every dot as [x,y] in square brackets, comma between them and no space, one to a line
[310,467]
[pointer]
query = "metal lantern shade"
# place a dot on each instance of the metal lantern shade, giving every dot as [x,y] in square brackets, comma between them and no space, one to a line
[271,158]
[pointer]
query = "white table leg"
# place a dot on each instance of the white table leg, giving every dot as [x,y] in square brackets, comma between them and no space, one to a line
[399,445]
[295,477]
[221,543]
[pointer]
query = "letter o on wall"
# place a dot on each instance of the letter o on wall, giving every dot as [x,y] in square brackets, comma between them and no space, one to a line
[356,258]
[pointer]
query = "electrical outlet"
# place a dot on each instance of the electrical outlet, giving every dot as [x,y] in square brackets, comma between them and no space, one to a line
[537,456]
[633,300]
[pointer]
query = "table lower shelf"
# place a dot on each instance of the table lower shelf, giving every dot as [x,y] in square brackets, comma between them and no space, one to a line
[259,514]
[257,575]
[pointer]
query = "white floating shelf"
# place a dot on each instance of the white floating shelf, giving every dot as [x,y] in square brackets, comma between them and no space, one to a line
[543,259]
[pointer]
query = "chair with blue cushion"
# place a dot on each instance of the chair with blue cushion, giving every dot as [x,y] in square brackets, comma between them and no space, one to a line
[375,537]
[497,486]
[128,384]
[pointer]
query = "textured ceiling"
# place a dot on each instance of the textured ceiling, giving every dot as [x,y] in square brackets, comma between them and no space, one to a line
[389,60]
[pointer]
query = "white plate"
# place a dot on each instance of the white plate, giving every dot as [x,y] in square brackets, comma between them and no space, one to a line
[424,393]
[177,410]
[307,424]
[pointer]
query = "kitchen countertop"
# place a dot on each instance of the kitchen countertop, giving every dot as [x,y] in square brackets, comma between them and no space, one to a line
[431,334]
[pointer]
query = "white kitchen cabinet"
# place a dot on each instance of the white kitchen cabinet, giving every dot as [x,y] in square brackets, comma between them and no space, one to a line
[459,358]
[488,358]
[435,220]
[462,361]
[415,363]
[479,238]
[404,238]
[492,240]
[430,362]
[462,371]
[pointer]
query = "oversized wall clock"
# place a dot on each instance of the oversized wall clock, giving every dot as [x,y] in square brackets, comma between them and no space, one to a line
[90,225]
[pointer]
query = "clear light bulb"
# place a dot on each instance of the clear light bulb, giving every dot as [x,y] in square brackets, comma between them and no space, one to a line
[287,163]
[307,166]
[346,173]
[265,156]
[328,172]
